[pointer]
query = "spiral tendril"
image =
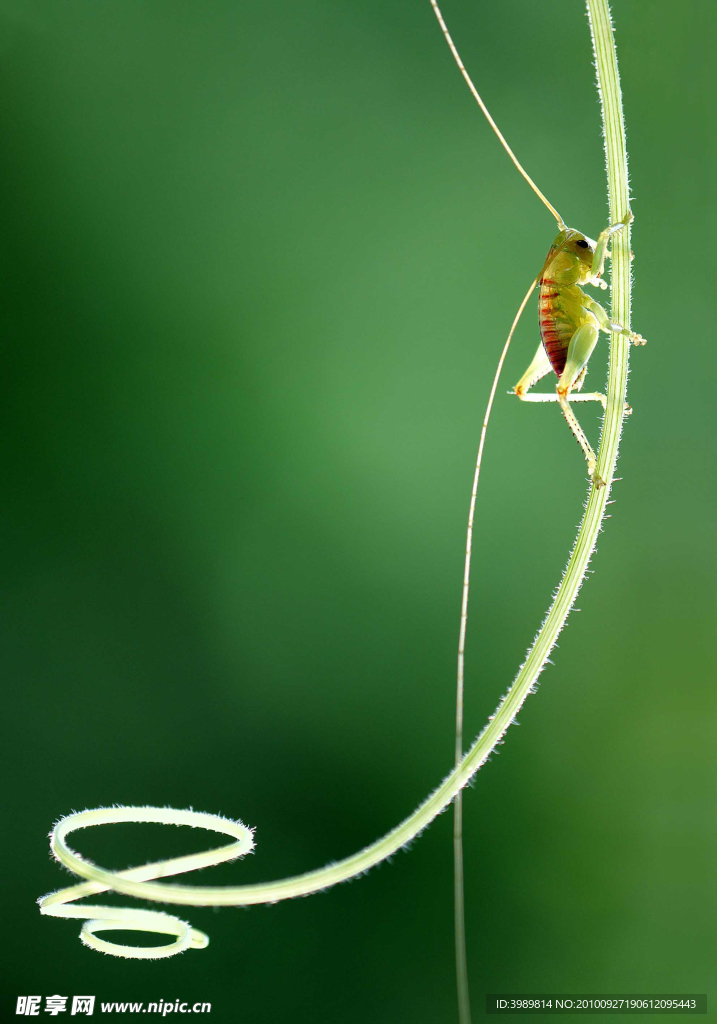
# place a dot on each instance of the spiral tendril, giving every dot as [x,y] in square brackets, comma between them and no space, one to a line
[134,881]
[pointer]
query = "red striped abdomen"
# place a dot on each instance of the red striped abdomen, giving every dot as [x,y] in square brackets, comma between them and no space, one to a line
[556,325]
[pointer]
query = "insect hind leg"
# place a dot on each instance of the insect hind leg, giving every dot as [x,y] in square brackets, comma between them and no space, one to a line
[539,368]
[581,348]
[589,396]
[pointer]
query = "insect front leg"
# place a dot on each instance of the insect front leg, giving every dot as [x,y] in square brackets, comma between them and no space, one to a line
[601,247]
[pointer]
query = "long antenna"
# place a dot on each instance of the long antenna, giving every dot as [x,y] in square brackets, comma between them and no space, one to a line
[464,1010]
[491,122]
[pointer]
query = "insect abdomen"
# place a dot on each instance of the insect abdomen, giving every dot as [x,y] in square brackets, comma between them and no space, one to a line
[556,324]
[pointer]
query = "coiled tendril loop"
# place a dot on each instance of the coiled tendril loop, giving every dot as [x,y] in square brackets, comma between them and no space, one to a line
[139,881]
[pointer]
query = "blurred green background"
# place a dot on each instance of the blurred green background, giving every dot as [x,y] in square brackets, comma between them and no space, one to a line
[258,263]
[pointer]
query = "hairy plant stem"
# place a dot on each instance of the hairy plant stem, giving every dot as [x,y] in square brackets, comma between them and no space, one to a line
[140,884]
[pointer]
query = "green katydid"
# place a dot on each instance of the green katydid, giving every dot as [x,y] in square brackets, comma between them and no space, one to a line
[570,325]
[570,320]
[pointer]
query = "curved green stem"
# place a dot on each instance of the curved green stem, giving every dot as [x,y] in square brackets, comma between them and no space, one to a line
[137,882]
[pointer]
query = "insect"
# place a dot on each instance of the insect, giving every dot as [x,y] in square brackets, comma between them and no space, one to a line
[570,319]
[570,325]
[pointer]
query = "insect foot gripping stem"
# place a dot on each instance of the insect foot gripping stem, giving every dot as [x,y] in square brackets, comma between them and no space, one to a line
[635,339]
[137,881]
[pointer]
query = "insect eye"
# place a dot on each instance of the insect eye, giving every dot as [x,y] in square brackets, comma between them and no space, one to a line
[582,243]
